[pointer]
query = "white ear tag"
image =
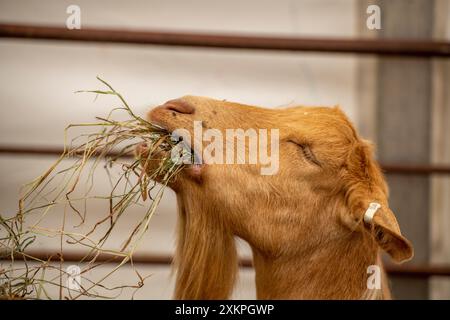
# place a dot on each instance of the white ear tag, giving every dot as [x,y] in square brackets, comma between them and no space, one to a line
[370,212]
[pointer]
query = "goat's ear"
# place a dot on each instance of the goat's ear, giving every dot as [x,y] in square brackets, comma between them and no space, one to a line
[365,184]
[384,227]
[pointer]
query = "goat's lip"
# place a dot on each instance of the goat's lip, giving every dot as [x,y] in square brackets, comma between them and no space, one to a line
[194,170]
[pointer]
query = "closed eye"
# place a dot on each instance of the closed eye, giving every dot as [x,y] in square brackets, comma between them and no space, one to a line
[308,154]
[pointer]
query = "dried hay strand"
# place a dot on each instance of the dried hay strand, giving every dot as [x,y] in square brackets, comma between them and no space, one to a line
[65,191]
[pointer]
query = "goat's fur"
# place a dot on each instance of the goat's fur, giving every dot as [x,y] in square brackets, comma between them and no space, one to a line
[304,224]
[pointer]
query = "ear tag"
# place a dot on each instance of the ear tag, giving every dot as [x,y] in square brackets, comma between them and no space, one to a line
[370,212]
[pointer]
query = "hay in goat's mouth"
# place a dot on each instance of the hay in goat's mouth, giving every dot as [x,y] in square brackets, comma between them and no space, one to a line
[57,191]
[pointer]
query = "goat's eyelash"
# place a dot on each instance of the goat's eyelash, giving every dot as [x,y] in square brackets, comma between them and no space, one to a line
[308,154]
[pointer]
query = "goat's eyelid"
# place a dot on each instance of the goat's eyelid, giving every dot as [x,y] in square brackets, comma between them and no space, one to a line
[307,153]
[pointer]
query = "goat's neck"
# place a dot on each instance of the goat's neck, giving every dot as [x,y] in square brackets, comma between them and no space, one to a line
[333,270]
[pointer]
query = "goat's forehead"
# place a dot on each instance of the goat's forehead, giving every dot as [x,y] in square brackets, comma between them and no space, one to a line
[334,111]
[322,122]
[320,116]
[200,101]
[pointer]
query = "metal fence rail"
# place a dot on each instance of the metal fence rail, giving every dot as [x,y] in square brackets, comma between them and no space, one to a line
[388,168]
[418,48]
[416,271]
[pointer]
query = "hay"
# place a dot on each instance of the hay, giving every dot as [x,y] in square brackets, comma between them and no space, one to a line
[26,277]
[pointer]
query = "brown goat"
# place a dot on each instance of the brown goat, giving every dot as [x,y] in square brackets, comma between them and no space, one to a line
[304,224]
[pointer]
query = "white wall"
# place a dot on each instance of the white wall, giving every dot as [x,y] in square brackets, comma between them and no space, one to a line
[38,78]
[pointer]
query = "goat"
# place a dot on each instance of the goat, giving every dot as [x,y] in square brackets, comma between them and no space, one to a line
[305,224]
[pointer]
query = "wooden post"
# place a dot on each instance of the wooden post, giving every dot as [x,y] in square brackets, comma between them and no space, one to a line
[440,185]
[404,128]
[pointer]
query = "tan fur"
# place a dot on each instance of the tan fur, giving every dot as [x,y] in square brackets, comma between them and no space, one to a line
[304,224]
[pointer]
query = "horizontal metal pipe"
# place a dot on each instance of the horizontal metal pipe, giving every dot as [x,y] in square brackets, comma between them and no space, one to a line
[418,48]
[415,169]
[388,168]
[38,151]
[423,271]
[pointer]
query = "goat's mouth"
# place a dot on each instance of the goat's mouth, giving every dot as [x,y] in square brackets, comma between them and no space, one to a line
[189,157]
[180,153]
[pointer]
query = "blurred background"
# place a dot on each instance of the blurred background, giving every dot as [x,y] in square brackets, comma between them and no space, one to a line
[401,101]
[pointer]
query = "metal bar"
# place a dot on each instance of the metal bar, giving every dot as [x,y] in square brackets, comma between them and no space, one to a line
[38,151]
[388,168]
[418,271]
[415,169]
[393,270]
[420,48]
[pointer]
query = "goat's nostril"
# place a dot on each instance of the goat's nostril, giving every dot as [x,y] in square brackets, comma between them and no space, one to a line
[180,107]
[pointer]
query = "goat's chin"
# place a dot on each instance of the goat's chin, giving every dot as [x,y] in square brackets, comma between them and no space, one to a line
[195,172]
